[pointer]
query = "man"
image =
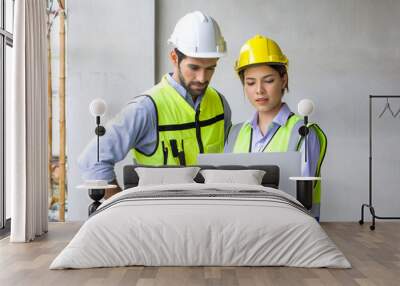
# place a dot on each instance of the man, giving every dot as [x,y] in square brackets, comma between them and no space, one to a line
[179,117]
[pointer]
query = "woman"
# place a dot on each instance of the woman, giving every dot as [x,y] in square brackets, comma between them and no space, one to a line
[262,68]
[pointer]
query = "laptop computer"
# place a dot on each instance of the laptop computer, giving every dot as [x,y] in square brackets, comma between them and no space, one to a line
[289,164]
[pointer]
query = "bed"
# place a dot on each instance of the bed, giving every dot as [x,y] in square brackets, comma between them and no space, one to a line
[201,224]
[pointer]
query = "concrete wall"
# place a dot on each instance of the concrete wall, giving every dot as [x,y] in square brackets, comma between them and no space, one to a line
[339,51]
[110,55]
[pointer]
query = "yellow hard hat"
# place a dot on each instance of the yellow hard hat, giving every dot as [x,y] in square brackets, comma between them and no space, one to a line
[258,50]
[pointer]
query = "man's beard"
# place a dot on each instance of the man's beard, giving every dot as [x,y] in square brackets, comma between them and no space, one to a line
[188,86]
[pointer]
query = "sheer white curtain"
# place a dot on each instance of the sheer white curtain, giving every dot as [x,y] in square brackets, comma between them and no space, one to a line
[27,123]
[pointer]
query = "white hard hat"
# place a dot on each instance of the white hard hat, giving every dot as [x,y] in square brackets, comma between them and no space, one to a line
[198,35]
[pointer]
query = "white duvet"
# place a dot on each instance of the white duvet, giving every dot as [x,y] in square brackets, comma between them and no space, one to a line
[182,231]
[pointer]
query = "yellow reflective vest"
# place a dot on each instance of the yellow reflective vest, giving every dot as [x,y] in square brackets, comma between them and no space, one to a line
[182,132]
[285,139]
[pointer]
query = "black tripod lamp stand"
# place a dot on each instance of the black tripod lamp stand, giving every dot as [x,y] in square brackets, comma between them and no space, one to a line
[97,108]
[304,185]
[305,108]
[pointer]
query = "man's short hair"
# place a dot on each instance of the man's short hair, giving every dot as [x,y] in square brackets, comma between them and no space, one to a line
[180,55]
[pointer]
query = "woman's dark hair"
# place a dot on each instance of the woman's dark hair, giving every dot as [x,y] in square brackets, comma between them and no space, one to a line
[281,69]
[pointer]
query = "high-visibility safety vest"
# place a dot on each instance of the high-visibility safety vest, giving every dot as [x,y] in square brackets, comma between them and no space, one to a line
[286,138]
[182,132]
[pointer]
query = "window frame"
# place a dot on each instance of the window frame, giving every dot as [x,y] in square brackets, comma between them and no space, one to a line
[6,39]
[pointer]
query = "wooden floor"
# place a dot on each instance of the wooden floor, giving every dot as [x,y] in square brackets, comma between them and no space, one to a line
[375,257]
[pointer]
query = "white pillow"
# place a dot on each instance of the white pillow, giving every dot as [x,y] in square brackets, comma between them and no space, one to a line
[248,177]
[166,176]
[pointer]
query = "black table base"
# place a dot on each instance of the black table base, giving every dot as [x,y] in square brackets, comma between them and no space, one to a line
[96,195]
[304,193]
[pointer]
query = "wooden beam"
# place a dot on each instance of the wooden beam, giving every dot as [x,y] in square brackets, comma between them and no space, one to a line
[62,112]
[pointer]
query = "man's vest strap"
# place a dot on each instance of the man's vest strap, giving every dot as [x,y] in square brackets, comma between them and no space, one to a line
[190,125]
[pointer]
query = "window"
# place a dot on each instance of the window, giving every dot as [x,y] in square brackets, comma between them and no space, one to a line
[6,44]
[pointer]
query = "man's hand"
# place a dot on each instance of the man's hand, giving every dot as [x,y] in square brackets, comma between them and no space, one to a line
[112,191]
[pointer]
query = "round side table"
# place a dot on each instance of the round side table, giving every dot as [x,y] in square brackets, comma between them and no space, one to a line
[96,193]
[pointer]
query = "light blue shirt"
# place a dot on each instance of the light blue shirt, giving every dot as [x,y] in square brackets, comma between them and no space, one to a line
[260,141]
[134,127]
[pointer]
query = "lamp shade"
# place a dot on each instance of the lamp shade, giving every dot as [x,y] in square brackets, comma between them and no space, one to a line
[305,107]
[98,107]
